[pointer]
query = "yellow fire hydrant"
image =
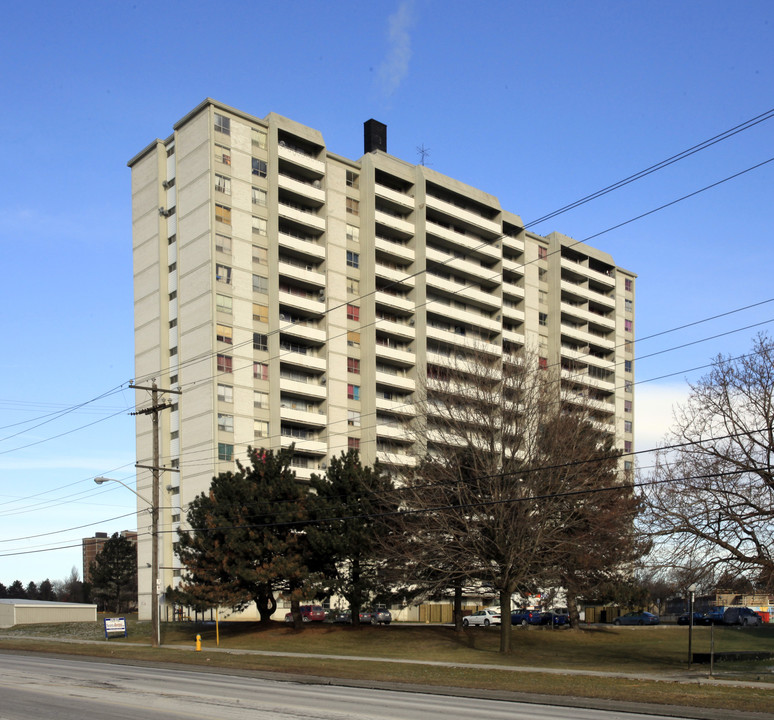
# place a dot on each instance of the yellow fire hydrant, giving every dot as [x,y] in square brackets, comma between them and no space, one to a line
[198,643]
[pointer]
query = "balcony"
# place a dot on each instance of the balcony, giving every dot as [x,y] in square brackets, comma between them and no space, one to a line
[390,458]
[400,382]
[583,378]
[586,337]
[583,291]
[302,389]
[395,276]
[312,447]
[463,316]
[316,418]
[513,290]
[394,302]
[400,330]
[301,188]
[303,332]
[305,245]
[393,196]
[513,243]
[396,251]
[305,273]
[474,246]
[300,159]
[308,361]
[588,316]
[472,270]
[302,217]
[393,222]
[395,355]
[397,407]
[511,336]
[473,344]
[310,304]
[394,431]
[580,269]
[465,216]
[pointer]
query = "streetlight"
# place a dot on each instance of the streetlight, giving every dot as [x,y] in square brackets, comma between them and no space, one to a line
[154,508]
[692,591]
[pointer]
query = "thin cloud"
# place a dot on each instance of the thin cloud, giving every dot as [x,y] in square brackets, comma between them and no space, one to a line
[395,67]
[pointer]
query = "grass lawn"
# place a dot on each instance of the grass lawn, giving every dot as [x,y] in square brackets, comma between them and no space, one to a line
[642,652]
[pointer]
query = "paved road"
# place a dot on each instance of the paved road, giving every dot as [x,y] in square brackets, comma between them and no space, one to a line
[42,688]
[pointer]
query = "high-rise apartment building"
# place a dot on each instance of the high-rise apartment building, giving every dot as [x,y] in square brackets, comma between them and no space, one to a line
[295,296]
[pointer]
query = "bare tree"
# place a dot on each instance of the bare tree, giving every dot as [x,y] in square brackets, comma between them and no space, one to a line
[509,486]
[711,502]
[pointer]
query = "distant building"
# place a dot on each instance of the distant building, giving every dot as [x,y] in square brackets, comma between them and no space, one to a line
[92,546]
[296,296]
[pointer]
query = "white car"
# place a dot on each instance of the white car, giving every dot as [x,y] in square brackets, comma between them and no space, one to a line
[482,617]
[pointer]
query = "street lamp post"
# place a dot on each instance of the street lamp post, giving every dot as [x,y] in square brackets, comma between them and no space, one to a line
[692,591]
[154,508]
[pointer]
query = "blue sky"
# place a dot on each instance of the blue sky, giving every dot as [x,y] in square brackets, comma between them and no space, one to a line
[539,104]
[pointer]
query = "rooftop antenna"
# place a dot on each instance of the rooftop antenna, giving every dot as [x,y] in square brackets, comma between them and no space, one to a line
[423,153]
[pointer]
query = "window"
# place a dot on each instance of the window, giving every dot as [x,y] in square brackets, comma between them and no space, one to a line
[223,243]
[222,154]
[353,339]
[223,303]
[224,363]
[627,426]
[352,179]
[173,379]
[542,252]
[353,233]
[259,196]
[628,325]
[353,392]
[224,333]
[222,124]
[260,342]
[627,465]
[542,363]
[225,393]
[260,255]
[259,226]
[223,214]
[259,139]
[353,418]
[260,313]
[353,443]
[223,274]
[542,272]
[172,352]
[173,295]
[353,259]
[173,323]
[172,267]
[353,206]
[225,422]
[260,428]
[627,366]
[223,184]
[543,318]
[172,239]
[170,151]
[260,284]
[225,451]
[353,286]
[628,284]
[353,312]
[260,399]
[259,168]
[353,365]
[628,306]
[627,446]
[628,386]
[627,406]
[260,371]
[543,341]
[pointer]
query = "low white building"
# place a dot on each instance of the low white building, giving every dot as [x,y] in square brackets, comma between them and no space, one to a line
[36,612]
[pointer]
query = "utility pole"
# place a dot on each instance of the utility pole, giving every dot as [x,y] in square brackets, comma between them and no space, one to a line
[154,410]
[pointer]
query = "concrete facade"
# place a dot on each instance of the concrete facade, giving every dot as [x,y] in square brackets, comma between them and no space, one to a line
[296,296]
[36,612]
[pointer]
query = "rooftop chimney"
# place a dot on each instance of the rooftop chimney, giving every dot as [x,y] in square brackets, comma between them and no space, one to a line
[374,136]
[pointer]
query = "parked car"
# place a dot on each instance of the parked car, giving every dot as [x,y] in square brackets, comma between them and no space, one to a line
[343,618]
[525,617]
[637,618]
[685,619]
[309,613]
[552,617]
[741,616]
[381,616]
[713,617]
[485,617]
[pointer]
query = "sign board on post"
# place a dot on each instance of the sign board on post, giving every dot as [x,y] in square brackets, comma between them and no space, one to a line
[115,626]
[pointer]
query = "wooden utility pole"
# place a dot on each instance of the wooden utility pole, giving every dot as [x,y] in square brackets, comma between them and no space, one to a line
[156,469]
